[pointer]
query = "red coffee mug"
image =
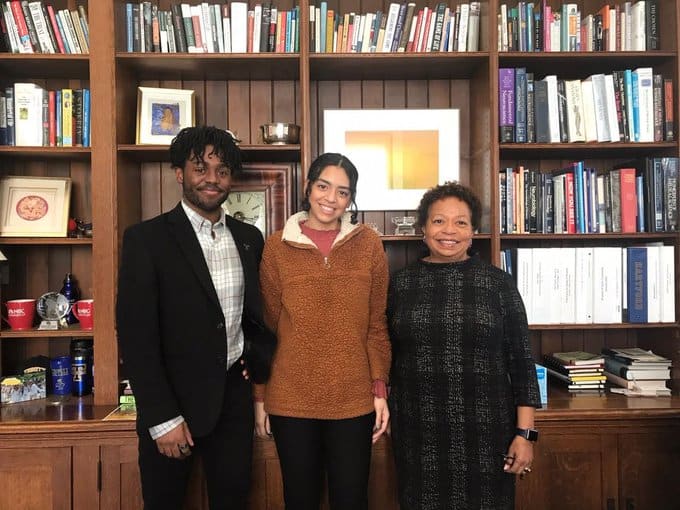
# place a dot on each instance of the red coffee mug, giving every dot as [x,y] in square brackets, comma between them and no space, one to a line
[20,313]
[84,312]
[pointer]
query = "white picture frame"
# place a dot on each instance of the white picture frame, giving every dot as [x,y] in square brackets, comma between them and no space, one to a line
[162,113]
[34,206]
[386,146]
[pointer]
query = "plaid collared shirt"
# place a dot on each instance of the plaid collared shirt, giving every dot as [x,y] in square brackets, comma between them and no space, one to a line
[224,264]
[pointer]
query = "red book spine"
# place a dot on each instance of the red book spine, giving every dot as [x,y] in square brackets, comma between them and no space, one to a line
[426,29]
[412,45]
[52,112]
[570,205]
[55,27]
[22,28]
[196,23]
[628,200]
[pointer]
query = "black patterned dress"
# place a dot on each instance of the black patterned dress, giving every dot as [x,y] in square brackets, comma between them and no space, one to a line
[461,366]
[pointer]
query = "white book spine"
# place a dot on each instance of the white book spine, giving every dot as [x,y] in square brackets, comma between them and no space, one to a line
[257,23]
[638,26]
[567,297]
[524,280]
[653,287]
[607,291]
[226,30]
[667,283]
[463,27]
[583,286]
[504,28]
[239,27]
[575,111]
[473,26]
[646,103]
[612,118]
[600,103]
[553,112]
[391,25]
[27,115]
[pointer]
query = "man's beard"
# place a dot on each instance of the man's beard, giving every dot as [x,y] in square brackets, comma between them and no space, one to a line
[193,197]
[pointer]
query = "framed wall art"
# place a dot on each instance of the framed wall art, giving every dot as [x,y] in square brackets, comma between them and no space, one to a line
[162,113]
[34,206]
[262,196]
[399,153]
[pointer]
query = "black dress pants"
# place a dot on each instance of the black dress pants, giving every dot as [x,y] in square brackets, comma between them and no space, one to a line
[226,454]
[309,448]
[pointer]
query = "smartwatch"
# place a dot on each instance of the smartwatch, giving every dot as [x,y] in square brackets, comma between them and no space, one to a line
[528,434]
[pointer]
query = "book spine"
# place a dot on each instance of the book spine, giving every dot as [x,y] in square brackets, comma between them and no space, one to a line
[506,104]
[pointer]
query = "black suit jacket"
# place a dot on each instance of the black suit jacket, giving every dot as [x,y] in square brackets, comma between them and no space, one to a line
[170,323]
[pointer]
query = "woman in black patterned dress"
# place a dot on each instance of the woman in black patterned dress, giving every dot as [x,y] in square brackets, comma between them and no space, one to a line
[464,388]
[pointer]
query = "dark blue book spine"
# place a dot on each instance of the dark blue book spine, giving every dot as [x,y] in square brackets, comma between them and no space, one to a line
[637,284]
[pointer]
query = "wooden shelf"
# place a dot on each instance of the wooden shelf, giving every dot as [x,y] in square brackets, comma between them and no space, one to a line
[73,331]
[573,64]
[625,325]
[41,65]
[70,153]
[610,236]
[47,241]
[583,150]
[251,153]
[395,66]
[211,66]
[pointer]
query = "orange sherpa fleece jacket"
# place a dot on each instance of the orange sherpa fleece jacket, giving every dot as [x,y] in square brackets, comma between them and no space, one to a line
[329,316]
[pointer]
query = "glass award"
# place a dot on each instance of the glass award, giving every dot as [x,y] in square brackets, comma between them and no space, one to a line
[53,309]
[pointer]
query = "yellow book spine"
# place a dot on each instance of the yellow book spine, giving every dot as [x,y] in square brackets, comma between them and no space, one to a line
[67,117]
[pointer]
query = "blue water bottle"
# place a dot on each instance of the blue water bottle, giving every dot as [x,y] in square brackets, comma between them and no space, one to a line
[70,290]
[81,367]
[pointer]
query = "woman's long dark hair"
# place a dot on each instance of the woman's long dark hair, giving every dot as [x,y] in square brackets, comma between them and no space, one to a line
[333,159]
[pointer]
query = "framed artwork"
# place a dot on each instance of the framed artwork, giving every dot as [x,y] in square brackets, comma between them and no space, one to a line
[262,196]
[399,153]
[34,206]
[162,113]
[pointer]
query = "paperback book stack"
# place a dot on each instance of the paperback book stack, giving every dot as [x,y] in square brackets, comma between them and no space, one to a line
[636,372]
[581,372]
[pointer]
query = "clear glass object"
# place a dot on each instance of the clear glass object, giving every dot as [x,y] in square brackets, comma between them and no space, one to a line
[405,225]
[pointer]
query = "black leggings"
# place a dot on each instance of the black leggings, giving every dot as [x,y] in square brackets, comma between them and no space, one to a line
[307,448]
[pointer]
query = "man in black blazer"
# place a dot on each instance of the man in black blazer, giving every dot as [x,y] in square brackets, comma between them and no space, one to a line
[189,321]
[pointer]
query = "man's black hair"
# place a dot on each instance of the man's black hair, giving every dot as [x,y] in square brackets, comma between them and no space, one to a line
[190,143]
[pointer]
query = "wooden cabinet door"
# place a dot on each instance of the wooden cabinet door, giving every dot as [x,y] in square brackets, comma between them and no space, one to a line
[33,478]
[649,469]
[570,472]
[120,485]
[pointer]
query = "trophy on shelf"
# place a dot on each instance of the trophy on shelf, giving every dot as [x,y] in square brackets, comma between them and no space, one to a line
[405,225]
[53,308]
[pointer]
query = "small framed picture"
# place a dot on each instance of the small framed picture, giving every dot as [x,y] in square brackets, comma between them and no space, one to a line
[34,206]
[162,113]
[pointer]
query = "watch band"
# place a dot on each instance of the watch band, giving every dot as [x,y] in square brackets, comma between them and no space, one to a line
[528,434]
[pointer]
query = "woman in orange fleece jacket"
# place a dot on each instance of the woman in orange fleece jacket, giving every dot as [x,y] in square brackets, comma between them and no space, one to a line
[324,282]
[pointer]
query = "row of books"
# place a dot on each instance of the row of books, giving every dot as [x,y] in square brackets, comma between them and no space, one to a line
[639,197]
[595,285]
[626,26]
[33,116]
[624,106]
[211,28]
[401,29]
[577,370]
[33,27]
[637,372]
